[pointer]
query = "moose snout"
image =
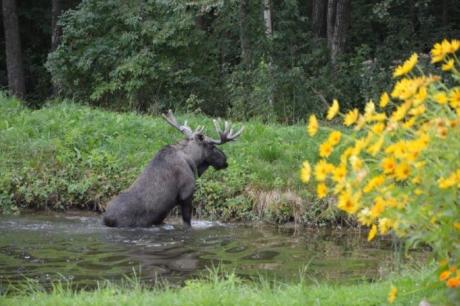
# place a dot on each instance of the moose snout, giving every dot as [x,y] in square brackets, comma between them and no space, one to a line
[221,166]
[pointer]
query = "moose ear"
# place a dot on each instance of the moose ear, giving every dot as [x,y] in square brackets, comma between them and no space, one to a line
[199,137]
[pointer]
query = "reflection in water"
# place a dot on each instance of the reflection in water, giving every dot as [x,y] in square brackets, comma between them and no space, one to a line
[52,247]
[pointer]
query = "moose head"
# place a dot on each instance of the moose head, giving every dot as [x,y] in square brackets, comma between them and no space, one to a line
[201,148]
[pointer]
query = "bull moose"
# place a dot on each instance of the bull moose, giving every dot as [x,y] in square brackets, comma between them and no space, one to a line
[170,178]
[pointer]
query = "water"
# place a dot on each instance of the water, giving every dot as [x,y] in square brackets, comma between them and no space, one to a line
[77,248]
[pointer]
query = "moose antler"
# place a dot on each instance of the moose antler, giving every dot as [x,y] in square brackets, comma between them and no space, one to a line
[226,135]
[185,129]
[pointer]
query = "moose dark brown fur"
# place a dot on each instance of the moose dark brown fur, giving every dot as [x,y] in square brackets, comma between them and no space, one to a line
[169,179]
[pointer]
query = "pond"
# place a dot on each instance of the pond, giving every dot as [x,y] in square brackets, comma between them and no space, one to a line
[76,247]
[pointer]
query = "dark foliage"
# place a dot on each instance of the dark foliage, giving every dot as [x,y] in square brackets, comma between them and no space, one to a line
[150,55]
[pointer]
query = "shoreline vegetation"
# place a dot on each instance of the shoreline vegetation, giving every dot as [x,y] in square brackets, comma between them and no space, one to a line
[70,156]
[227,289]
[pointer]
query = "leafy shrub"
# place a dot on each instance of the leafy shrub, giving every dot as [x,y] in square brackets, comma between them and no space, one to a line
[399,169]
[130,54]
[221,195]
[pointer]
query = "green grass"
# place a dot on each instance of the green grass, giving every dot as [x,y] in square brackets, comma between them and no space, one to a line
[228,289]
[68,155]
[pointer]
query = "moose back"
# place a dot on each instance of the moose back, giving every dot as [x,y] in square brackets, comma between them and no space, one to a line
[170,178]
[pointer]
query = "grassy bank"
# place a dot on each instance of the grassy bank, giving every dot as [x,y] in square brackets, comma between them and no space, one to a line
[412,287]
[67,155]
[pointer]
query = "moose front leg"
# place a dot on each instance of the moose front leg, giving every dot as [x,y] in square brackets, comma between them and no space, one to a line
[186,208]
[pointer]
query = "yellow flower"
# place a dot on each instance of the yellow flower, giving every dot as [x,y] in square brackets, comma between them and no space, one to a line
[406,67]
[406,88]
[351,117]
[423,140]
[444,275]
[340,186]
[454,282]
[420,96]
[454,97]
[441,98]
[321,190]
[360,144]
[325,149]
[388,165]
[385,225]
[419,165]
[454,45]
[454,123]
[439,51]
[442,132]
[417,111]
[392,202]
[398,149]
[378,117]
[372,232]
[439,122]
[384,99]
[378,208]
[400,112]
[369,110]
[364,217]
[348,203]
[345,155]
[333,110]
[392,294]
[322,169]
[410,123]
[373,183]
[339,173]
[402,171]
[448,65]
[448,182]
[361,122]
[375,148]
[334,137]
[378,128]
[305,172]
[312,125]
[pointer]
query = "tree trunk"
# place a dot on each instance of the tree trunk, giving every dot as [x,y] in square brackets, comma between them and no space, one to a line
[268,17]
[16,82]
[337,27]
[244,33]
[331,10]
[267,7]
[57,8]
[318,17]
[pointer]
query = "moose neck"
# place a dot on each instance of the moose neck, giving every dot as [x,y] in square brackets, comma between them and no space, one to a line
[194,155]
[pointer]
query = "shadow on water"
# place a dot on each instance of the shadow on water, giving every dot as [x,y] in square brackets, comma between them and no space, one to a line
[79,249]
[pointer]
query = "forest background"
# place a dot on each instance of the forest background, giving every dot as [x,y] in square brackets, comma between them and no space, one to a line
[274,60]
